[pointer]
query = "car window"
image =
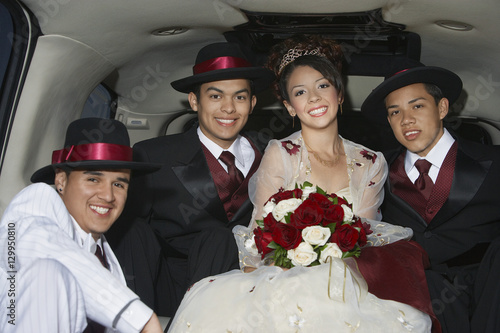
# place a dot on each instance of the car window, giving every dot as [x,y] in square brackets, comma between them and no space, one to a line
[6,33]
[101,103]
[6,29]
[18,34]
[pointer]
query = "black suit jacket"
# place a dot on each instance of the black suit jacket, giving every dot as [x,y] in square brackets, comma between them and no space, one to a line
[174,229]
[470,215]
[181,198]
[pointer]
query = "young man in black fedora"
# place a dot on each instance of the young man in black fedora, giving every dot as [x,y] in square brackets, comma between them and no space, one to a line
[62,273]
[445,189]
[200,193]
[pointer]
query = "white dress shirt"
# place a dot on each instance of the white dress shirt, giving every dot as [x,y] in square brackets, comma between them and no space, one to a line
[436,157]
[35,226]
[244,155]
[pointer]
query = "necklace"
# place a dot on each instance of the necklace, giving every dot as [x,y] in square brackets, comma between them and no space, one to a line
[328,164]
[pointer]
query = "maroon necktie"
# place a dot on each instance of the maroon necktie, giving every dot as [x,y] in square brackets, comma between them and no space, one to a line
[92,326]
[234,173]
[102,256]
[424,182]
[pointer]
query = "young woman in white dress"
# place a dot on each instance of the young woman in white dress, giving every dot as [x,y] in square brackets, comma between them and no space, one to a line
[325,298]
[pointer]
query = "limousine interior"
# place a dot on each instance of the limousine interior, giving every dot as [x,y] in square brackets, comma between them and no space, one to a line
[66,59]
[61,60]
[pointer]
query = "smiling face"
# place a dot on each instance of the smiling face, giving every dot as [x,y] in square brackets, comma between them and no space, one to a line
[223,108]
[312,98]
[94,198]
[415,118]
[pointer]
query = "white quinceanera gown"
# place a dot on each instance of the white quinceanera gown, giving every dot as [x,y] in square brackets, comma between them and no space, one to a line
[324,298]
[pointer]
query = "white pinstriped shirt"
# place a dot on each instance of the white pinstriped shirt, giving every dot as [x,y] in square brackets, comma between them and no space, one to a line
[38,225]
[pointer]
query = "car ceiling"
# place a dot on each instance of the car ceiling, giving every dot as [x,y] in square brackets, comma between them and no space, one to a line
[121,31]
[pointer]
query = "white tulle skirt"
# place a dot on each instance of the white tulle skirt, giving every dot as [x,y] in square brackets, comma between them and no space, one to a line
[325,298]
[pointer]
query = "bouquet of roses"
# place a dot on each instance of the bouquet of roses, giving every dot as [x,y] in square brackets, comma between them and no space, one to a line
[306,226]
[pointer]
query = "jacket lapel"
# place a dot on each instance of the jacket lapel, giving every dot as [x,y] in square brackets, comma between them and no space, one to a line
[193,173]
[471,174]
[394,200]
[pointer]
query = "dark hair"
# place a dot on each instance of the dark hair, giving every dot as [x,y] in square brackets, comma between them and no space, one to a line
[197,89]
[67,170]
[327,61]
[434,91]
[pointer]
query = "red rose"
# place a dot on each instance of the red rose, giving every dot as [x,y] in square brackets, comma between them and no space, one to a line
[320,199]
[342,201]
[346,237]
[269,222]
[362,232]
[284,195]
[309,213]
[333,214]
[287,236]
[262,240]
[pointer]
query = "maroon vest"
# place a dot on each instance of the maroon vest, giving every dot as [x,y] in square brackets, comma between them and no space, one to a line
[231,201]
[402,186]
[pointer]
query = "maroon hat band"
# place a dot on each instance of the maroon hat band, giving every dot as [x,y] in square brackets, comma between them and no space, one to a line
[220,63]
[401,71]
[92,152]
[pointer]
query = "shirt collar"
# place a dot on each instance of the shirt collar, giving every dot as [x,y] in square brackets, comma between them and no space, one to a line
[436,155]
[84,239]
[216,150]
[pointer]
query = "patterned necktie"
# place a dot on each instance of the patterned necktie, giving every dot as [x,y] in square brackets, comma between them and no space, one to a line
[234,173]
[424,182]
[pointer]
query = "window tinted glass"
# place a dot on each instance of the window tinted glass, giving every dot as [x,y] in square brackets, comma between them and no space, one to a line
[101,103]
[6,33]
[18,35]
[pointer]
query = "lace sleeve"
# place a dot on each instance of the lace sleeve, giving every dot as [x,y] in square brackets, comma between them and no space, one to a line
[275,171]
[368,171]
[247,251]
[384,233]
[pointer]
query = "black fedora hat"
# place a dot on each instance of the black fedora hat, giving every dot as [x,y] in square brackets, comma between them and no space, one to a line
[223,61]
[93,143]
[405,72]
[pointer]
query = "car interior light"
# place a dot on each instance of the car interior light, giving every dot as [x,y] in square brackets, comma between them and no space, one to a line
[454,25]
[169,31]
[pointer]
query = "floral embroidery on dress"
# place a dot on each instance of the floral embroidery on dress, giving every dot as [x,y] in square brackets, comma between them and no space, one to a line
[367,227]
[369,155]
[296,321]
[371,183]
[290,147]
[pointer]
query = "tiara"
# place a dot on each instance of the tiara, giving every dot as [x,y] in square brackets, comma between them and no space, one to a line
[295,53]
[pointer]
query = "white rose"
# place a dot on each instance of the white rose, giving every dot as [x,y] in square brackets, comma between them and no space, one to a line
[284,207]
[307,190]
[268,208]
[251,247]
[348,214]
[316,235]
[302,255]
[331,250]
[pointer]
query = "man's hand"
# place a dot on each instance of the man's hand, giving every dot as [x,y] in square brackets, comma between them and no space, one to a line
[153,325]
